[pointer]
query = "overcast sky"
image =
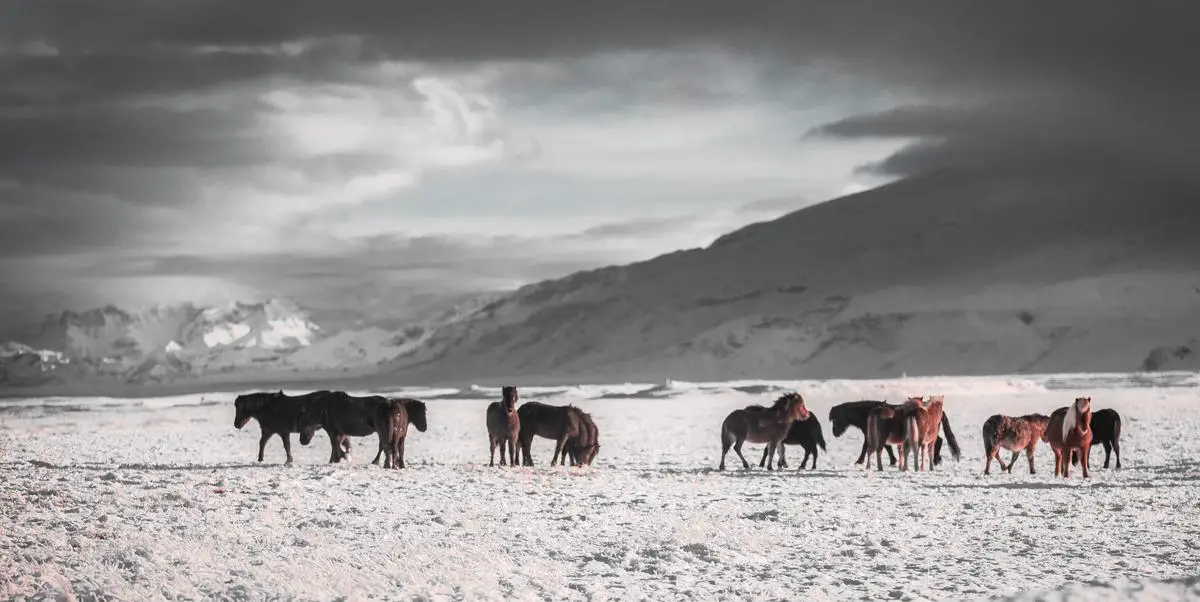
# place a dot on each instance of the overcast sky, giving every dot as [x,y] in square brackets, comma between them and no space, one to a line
[348,152]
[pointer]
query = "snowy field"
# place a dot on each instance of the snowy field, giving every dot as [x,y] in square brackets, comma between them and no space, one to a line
[161,499]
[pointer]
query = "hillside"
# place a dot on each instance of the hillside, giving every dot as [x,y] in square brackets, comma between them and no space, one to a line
[950,273]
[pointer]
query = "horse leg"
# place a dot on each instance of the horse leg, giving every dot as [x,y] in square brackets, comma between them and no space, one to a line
[492,452]
[287,445]
[262,443]
[400,452]
[558,446]
[1068,454]
[737,448]
[1029,455]
[1085,460]
[763,461]
[512,451]
[891,455]
[1107,452]
[1116,443]
[782,463]
[1012,461]
[771,454]
[863,455]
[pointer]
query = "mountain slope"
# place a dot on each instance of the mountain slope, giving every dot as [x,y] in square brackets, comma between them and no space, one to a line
[954,272]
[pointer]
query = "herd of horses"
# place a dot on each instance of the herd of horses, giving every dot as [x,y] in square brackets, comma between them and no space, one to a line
[914,427]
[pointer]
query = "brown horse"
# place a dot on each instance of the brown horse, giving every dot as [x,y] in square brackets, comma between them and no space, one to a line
[504,426]
[277,414]
[1015,434]
[583,447]
[885,426]
[393,419]
[1069,432]
[561,423]
[766,425]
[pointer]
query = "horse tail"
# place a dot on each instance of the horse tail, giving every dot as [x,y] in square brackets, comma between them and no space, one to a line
[820,436]
[872,431]
[1116,429]
[912,433]
[954,449]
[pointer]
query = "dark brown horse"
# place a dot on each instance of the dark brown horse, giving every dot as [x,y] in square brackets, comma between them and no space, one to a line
[583,448]
[1069,432]
[393,418]
[560,423]
[761,425]
[886,425]
[277,414]
[805,433]
[1106,429]
[854,414]
[342,416]
[504,426]
[1016,434]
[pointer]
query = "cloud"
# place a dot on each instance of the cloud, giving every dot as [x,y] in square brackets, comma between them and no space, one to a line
[240,142]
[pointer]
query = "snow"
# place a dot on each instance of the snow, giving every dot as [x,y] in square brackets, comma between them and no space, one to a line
[225,334]
[142,498]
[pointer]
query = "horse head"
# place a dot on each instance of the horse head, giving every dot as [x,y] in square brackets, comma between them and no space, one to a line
[249,406]
[416,414]
[794,405]
[1078,417]
[510,397]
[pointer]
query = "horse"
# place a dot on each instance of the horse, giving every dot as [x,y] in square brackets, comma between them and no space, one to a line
[766,425]
[583,448]
[561,423]
[277,414]
[393,418]
[1016,434]
[1106,429]
[805,433]
[1069,432]
[504,426]
[342,416]
[885,426]
[925,418]
[854,414]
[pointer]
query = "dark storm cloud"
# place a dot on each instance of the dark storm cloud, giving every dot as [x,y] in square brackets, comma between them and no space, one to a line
[96,114]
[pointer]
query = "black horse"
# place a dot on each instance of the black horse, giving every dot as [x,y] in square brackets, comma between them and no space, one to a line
[1106,430]
[342,416]
[805,433]
[277,414]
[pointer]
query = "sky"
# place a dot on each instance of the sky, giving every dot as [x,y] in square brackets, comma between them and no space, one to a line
[354,155]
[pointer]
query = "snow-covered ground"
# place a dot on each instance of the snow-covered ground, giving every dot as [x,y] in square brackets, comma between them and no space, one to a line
[161,498]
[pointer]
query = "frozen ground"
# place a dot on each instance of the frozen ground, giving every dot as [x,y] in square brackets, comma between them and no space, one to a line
[160,498]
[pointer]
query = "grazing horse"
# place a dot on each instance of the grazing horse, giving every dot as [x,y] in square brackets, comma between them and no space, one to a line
[805,433]
[277,414]
[1016,434]
[1106,429]
[504,426]
[855,414]
[393,418]
[342,416]
[1069,432]
[761,425]
[561,423]
[583,448]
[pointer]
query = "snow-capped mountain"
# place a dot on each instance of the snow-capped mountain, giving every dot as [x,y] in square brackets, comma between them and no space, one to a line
[955,272]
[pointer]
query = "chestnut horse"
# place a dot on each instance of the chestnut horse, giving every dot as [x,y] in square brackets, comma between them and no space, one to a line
[583,448]
[504,426]
[1069,432]
[1015,434]
[766,425]
[924,418]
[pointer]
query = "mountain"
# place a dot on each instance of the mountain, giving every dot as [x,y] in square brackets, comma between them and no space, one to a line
[955,272]
[187,345]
